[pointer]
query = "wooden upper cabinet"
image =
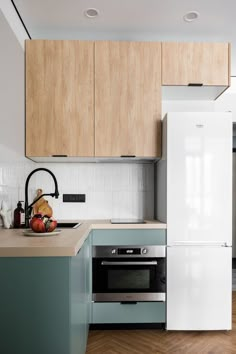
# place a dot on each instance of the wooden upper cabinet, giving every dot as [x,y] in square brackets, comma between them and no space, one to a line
[196,63]
[59,98]
[127,99]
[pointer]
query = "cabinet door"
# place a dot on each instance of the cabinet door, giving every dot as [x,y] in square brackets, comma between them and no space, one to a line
[203,63]
[59,98]
[127,99]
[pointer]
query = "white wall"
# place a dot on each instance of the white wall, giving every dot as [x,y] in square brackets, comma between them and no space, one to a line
[12,95]
[187,106]
[7,9]
[227,102]
[13,166]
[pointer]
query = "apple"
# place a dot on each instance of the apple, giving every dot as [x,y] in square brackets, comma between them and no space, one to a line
[42,223]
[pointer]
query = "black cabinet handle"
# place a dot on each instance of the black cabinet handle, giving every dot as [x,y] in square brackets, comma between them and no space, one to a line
[195,84]
[59,155]
[127,156]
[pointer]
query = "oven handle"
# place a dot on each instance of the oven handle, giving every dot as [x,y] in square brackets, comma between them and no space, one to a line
[129,263]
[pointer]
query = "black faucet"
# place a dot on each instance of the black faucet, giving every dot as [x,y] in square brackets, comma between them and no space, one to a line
[28,208]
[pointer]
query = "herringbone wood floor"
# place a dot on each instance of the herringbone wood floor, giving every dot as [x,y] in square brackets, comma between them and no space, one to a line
[160,342]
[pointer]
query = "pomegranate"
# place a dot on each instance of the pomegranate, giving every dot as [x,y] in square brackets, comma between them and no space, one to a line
[42,223]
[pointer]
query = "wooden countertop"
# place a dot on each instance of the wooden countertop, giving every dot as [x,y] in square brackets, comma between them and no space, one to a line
[14,244]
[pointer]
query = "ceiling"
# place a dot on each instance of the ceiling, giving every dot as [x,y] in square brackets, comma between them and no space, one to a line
[148,20]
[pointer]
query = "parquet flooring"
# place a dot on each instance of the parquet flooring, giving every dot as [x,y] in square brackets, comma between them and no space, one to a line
[163,342]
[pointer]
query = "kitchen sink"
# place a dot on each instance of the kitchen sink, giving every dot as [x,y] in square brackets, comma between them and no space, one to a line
[68,225]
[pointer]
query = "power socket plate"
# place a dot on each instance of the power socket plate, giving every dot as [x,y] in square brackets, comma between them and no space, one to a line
[74,198]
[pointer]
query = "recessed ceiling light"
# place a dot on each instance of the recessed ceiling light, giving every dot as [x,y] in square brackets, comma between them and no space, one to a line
[91,13]
[191,16]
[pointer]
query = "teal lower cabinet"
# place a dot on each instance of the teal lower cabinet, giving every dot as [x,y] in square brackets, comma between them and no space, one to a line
[80,300]
[129,237]
[44,304]
[141,312]
[128,313]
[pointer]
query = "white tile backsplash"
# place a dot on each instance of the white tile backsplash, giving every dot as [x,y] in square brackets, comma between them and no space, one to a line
[112,190]
[12,181]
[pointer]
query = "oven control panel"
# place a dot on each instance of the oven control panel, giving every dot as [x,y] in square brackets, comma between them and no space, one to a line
[129,251]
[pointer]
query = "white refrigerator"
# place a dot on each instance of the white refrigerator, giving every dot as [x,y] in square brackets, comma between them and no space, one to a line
[194,189]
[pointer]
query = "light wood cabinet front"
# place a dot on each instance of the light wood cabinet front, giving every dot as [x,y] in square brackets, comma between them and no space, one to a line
[196,63]
[127,99]
[59,98]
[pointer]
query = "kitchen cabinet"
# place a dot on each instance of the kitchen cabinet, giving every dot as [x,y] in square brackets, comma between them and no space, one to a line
[127,237]
[137,312]
[45,303]
[127,99]
[87,99]
[140,312]
[61,77]
[194,63]
[59,98]
[81,299]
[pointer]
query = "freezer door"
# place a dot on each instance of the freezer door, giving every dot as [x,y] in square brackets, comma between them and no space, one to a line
[199,288]
[199,177]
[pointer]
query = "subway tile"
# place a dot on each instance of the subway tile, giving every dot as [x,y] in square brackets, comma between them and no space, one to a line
[113,190]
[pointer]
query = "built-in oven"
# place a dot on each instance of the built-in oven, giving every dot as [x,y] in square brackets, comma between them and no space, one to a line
[129,273]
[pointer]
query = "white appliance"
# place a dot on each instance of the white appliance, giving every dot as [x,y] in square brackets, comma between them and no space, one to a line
[194,187]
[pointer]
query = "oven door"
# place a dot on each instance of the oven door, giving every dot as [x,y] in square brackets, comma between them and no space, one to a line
[126,279]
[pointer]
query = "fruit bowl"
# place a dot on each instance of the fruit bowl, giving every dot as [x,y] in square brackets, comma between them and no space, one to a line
[31,233]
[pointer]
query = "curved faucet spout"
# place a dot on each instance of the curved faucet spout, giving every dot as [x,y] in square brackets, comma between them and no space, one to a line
[28,207]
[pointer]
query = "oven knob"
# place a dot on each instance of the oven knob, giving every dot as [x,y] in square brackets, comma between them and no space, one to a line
[144,251]
[113,251]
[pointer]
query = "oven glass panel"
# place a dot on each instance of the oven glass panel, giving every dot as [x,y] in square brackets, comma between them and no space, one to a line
[128,279]
[121,278]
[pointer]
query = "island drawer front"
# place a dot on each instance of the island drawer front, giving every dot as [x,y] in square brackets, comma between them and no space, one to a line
[129,237]
[141,312]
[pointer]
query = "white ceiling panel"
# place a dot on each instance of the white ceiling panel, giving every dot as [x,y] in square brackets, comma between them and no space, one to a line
[131,20]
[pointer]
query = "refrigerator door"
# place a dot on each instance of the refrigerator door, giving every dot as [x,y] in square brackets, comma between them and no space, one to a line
[199,177]
[199,288]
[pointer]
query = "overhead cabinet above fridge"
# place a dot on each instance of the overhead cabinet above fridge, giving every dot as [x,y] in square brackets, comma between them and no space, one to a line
[195,70]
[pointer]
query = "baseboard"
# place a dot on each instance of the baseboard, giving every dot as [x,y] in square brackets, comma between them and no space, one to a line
[234,263]
[97,326]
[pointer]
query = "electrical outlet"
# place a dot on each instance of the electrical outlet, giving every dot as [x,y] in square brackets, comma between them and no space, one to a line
[73,198]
